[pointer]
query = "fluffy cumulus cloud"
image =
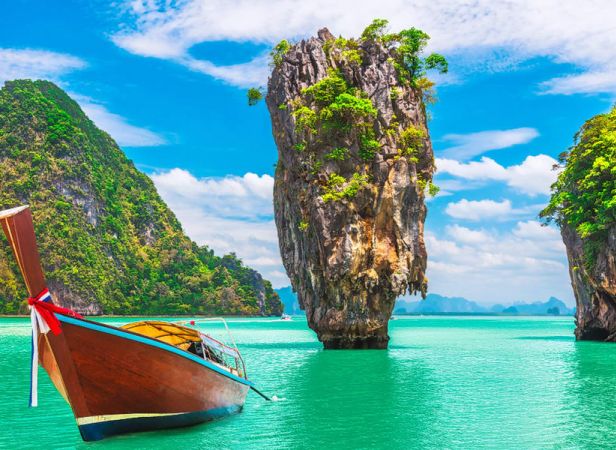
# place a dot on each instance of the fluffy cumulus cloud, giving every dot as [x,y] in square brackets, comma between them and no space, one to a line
[35,64]
[532,177]
[480,209]
[492,34]
[230,214]
[525,263]
[469,145]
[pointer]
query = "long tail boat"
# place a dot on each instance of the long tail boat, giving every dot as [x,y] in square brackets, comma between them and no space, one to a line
[142,376]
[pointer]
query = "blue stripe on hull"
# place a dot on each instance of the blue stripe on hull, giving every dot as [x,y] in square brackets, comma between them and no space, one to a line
[101,430]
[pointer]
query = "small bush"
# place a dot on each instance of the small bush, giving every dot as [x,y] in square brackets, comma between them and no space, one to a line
[338,187]
[300,146]
[306,118]
[376,30]
[278,52]
[254,96]
[368,146]
[411,139]
[433,189]
[338,154]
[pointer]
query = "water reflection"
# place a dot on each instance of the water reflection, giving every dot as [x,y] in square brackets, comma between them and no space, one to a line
[592,396]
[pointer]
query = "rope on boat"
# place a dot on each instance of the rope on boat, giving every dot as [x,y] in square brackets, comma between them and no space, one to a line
[261,393]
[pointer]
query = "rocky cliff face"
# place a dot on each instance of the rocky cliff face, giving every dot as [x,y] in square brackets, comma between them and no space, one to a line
[583,203]
[354,161]
[594,289]
[108,243]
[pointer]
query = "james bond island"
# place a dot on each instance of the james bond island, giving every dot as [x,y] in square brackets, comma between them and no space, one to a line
[355,163]
[583,203]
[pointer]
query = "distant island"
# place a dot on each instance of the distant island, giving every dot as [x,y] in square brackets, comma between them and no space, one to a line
[438,304]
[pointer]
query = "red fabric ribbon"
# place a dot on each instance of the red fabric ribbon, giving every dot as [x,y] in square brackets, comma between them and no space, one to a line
[47,310]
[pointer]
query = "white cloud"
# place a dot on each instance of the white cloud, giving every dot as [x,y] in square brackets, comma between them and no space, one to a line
[494,34]
[525,263]
[473,144]
[532,177]
[250,74]
[230,214]
[36,64]
[117,126]
[480,209]
[476,210]
[586,83]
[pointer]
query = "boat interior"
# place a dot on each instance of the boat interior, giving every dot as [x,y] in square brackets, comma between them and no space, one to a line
[192,341]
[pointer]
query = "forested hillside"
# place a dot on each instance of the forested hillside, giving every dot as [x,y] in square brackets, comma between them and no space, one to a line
[108,242]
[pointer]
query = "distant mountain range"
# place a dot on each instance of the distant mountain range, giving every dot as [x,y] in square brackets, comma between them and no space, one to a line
[438,304]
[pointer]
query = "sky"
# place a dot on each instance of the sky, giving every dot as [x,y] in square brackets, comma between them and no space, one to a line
[168,81]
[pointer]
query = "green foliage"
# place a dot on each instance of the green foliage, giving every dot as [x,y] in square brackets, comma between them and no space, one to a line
[433,189]
[282,106]
[338,154]
[278,52]
[346,110]
[254,96]
[436,61]
[300,146]
[306,119]
[335,105]
[584,196]
[376,30]
[103,231]
[325,91]
[409,45]
[353,56]
[368,145]
[339,188]
[303,226]
[426,86]
[411,139]
[409,63]
[394,93]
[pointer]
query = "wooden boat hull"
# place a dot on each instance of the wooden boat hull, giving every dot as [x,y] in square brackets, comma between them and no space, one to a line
[118,382]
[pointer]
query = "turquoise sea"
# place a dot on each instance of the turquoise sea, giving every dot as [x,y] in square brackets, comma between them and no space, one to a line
[445,382]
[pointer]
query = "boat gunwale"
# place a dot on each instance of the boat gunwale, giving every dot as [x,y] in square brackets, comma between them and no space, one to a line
[119,332]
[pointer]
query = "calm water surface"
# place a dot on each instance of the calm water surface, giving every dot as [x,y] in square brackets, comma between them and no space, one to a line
[445,382]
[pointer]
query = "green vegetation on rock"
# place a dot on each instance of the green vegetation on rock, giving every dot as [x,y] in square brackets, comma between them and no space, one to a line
[279,51]
[584,196]
[339,188]
[409,45]
[254,96]
[334,109]
[108,242]
[338,154]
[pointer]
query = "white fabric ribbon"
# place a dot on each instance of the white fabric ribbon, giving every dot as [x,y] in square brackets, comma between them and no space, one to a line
[38,325]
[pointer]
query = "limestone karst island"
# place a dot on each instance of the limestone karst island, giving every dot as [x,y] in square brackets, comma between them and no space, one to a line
[267,225]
